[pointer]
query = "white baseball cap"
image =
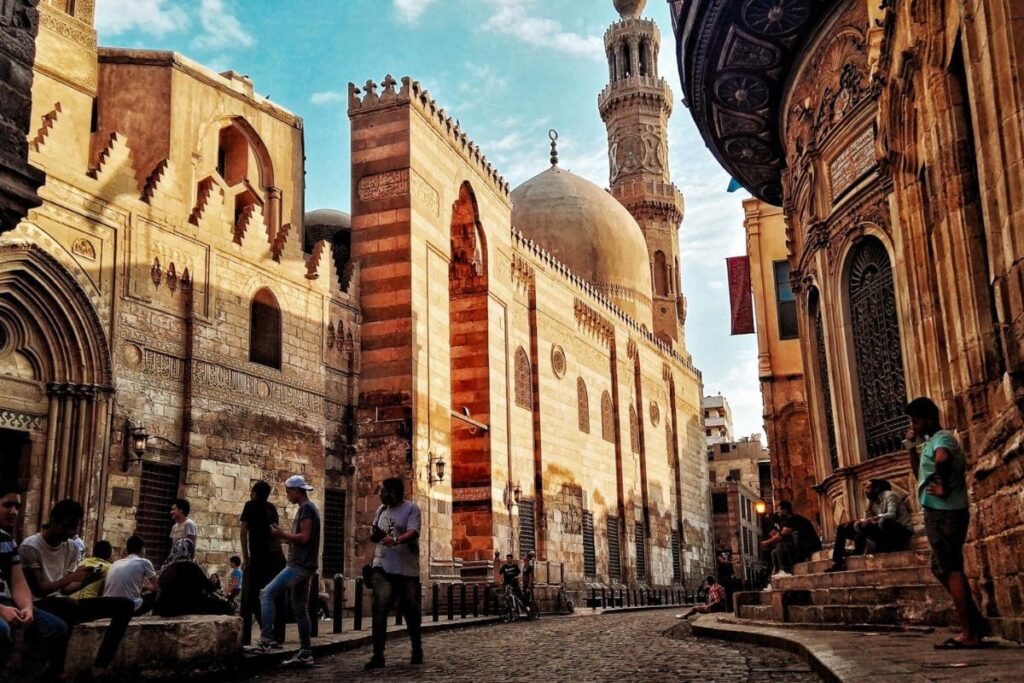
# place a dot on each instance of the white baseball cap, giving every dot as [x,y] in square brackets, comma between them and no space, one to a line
[297,482]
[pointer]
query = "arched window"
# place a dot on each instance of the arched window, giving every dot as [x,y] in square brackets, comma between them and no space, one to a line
[627,66]
[634,430]
[265,330]
[607,418]
[826,391]
[877,349]
[583,405]
[660,274]
[644,53]
[524,381]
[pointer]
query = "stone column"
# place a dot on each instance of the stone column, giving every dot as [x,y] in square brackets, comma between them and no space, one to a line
[19,23]
[55,391]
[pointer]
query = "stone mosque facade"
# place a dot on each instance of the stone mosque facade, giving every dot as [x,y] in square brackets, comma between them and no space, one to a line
[516,356]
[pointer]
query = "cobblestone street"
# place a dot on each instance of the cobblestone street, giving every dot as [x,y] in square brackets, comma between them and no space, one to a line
[645,646]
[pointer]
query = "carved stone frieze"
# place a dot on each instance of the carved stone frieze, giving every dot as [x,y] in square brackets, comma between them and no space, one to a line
[23,422]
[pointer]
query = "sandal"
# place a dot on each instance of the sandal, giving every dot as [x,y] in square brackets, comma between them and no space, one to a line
[954,644]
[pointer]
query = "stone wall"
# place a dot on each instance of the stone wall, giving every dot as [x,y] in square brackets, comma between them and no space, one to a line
[18,180]
[421,189]
[166,249]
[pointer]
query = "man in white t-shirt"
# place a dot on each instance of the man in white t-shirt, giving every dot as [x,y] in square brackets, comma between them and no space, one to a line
[184,528]
[130,576]
[49,560]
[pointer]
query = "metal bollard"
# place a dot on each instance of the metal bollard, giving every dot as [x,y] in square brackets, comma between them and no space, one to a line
[435,602]
[604,599]
[476,600]
[462,601]
[313,605]
[593,598]
[451,601]
[629,603]
[339,601]
[357,614]
[487,601]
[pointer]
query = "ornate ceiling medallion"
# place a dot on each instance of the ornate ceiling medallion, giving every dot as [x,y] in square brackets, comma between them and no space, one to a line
[775,17]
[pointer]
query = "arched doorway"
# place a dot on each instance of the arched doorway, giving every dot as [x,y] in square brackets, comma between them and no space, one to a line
[55,383]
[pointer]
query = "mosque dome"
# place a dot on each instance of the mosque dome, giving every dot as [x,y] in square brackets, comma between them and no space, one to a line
[324,224]
[630,8]
[590,232]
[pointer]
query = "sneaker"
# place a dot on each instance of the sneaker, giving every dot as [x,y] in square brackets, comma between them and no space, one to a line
[374,663]
[780,575]
[417,657]
[263,647]
[766,588]
[303,658]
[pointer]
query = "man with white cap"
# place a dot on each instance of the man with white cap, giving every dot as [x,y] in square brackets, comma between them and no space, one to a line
[303,561]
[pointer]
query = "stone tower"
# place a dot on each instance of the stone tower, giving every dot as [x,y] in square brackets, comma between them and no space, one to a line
[635,107]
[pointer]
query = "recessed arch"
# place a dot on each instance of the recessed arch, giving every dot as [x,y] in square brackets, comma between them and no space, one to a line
[265,329]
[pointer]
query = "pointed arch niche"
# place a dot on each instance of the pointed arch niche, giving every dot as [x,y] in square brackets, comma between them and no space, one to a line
[55,384]
[470,381]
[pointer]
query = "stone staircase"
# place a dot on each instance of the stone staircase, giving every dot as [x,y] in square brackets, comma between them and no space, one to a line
[893,589]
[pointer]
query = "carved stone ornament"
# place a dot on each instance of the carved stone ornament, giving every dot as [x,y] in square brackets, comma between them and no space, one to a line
[83,247]
[558,361]
[156,272]
[655,413]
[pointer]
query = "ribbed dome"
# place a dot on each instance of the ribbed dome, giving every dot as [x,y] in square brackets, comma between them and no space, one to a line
[589,231]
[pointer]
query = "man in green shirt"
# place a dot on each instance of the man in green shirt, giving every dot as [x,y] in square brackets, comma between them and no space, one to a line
[938,460]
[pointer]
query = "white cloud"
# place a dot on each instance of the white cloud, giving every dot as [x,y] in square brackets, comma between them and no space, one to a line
[326,97]
[410,11]
[155,17]
[512,18]
[221,29]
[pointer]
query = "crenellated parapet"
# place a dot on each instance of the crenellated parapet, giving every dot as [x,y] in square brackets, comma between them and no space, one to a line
[544,259]
[649,91]
[651,199]
[367,99]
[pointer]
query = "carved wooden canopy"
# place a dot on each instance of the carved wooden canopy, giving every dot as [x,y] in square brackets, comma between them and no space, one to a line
[734,58]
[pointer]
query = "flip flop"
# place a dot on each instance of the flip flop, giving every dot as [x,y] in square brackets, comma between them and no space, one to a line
[954,644]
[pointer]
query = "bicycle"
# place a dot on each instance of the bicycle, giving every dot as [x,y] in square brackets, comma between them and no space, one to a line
[512,606]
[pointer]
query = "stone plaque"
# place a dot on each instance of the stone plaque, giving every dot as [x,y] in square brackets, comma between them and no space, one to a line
[383,185]
[851,164]
[122,497]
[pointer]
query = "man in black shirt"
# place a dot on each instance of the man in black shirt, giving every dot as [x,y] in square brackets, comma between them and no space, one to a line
[510,577]
[796,542]
[262,557]
[529,578]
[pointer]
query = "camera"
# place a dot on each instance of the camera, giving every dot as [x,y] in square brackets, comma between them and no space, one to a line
[377,534]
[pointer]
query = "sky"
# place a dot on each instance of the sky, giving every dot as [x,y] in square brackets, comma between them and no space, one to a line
[508,70]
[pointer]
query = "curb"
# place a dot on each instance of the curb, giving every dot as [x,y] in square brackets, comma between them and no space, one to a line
[642,608]
[708,626]
[252,663]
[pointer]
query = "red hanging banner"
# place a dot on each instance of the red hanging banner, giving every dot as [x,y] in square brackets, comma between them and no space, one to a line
[740,301]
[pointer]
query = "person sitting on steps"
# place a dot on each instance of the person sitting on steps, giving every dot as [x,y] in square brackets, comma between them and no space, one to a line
[796,541]
[888,525]
[716,600]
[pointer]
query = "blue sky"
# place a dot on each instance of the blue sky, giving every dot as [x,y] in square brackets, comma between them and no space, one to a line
[508,70]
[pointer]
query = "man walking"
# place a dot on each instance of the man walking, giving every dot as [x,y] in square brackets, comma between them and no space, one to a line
[49,560]
[396,568]
[303,561]
[887,525]
[942,491]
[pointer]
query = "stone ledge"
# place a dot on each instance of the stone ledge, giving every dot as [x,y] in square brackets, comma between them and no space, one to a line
[157,647]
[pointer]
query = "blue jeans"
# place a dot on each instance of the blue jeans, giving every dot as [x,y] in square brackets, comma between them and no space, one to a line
[46,644]
[296,579]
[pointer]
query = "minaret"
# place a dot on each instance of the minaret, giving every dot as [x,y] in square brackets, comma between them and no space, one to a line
[635,107]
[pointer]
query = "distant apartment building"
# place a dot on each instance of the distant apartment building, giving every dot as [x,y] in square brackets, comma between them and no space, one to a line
[740,473]
[717,419]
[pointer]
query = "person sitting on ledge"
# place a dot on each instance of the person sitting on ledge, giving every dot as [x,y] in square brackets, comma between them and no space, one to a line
[716,600]
[887,525]
[184,587]
[796,541]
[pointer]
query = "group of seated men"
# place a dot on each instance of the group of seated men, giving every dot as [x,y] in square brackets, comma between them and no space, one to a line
[47,588]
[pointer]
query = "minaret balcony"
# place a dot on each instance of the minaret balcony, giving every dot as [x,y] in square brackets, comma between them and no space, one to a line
[648,87]
[635,191]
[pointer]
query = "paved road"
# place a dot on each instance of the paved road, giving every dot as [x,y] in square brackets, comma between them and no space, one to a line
[641,646]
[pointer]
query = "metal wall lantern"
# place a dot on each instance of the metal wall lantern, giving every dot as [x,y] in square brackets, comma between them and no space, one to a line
[435,468]
[760,507]
[135,444]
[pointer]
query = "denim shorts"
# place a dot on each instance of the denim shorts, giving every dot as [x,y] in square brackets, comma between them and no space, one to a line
[947,532]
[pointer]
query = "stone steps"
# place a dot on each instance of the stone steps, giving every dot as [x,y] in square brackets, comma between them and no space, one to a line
[887,589]
[904,558]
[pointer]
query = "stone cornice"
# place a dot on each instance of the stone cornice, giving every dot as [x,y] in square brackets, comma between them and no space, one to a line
[734,59]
